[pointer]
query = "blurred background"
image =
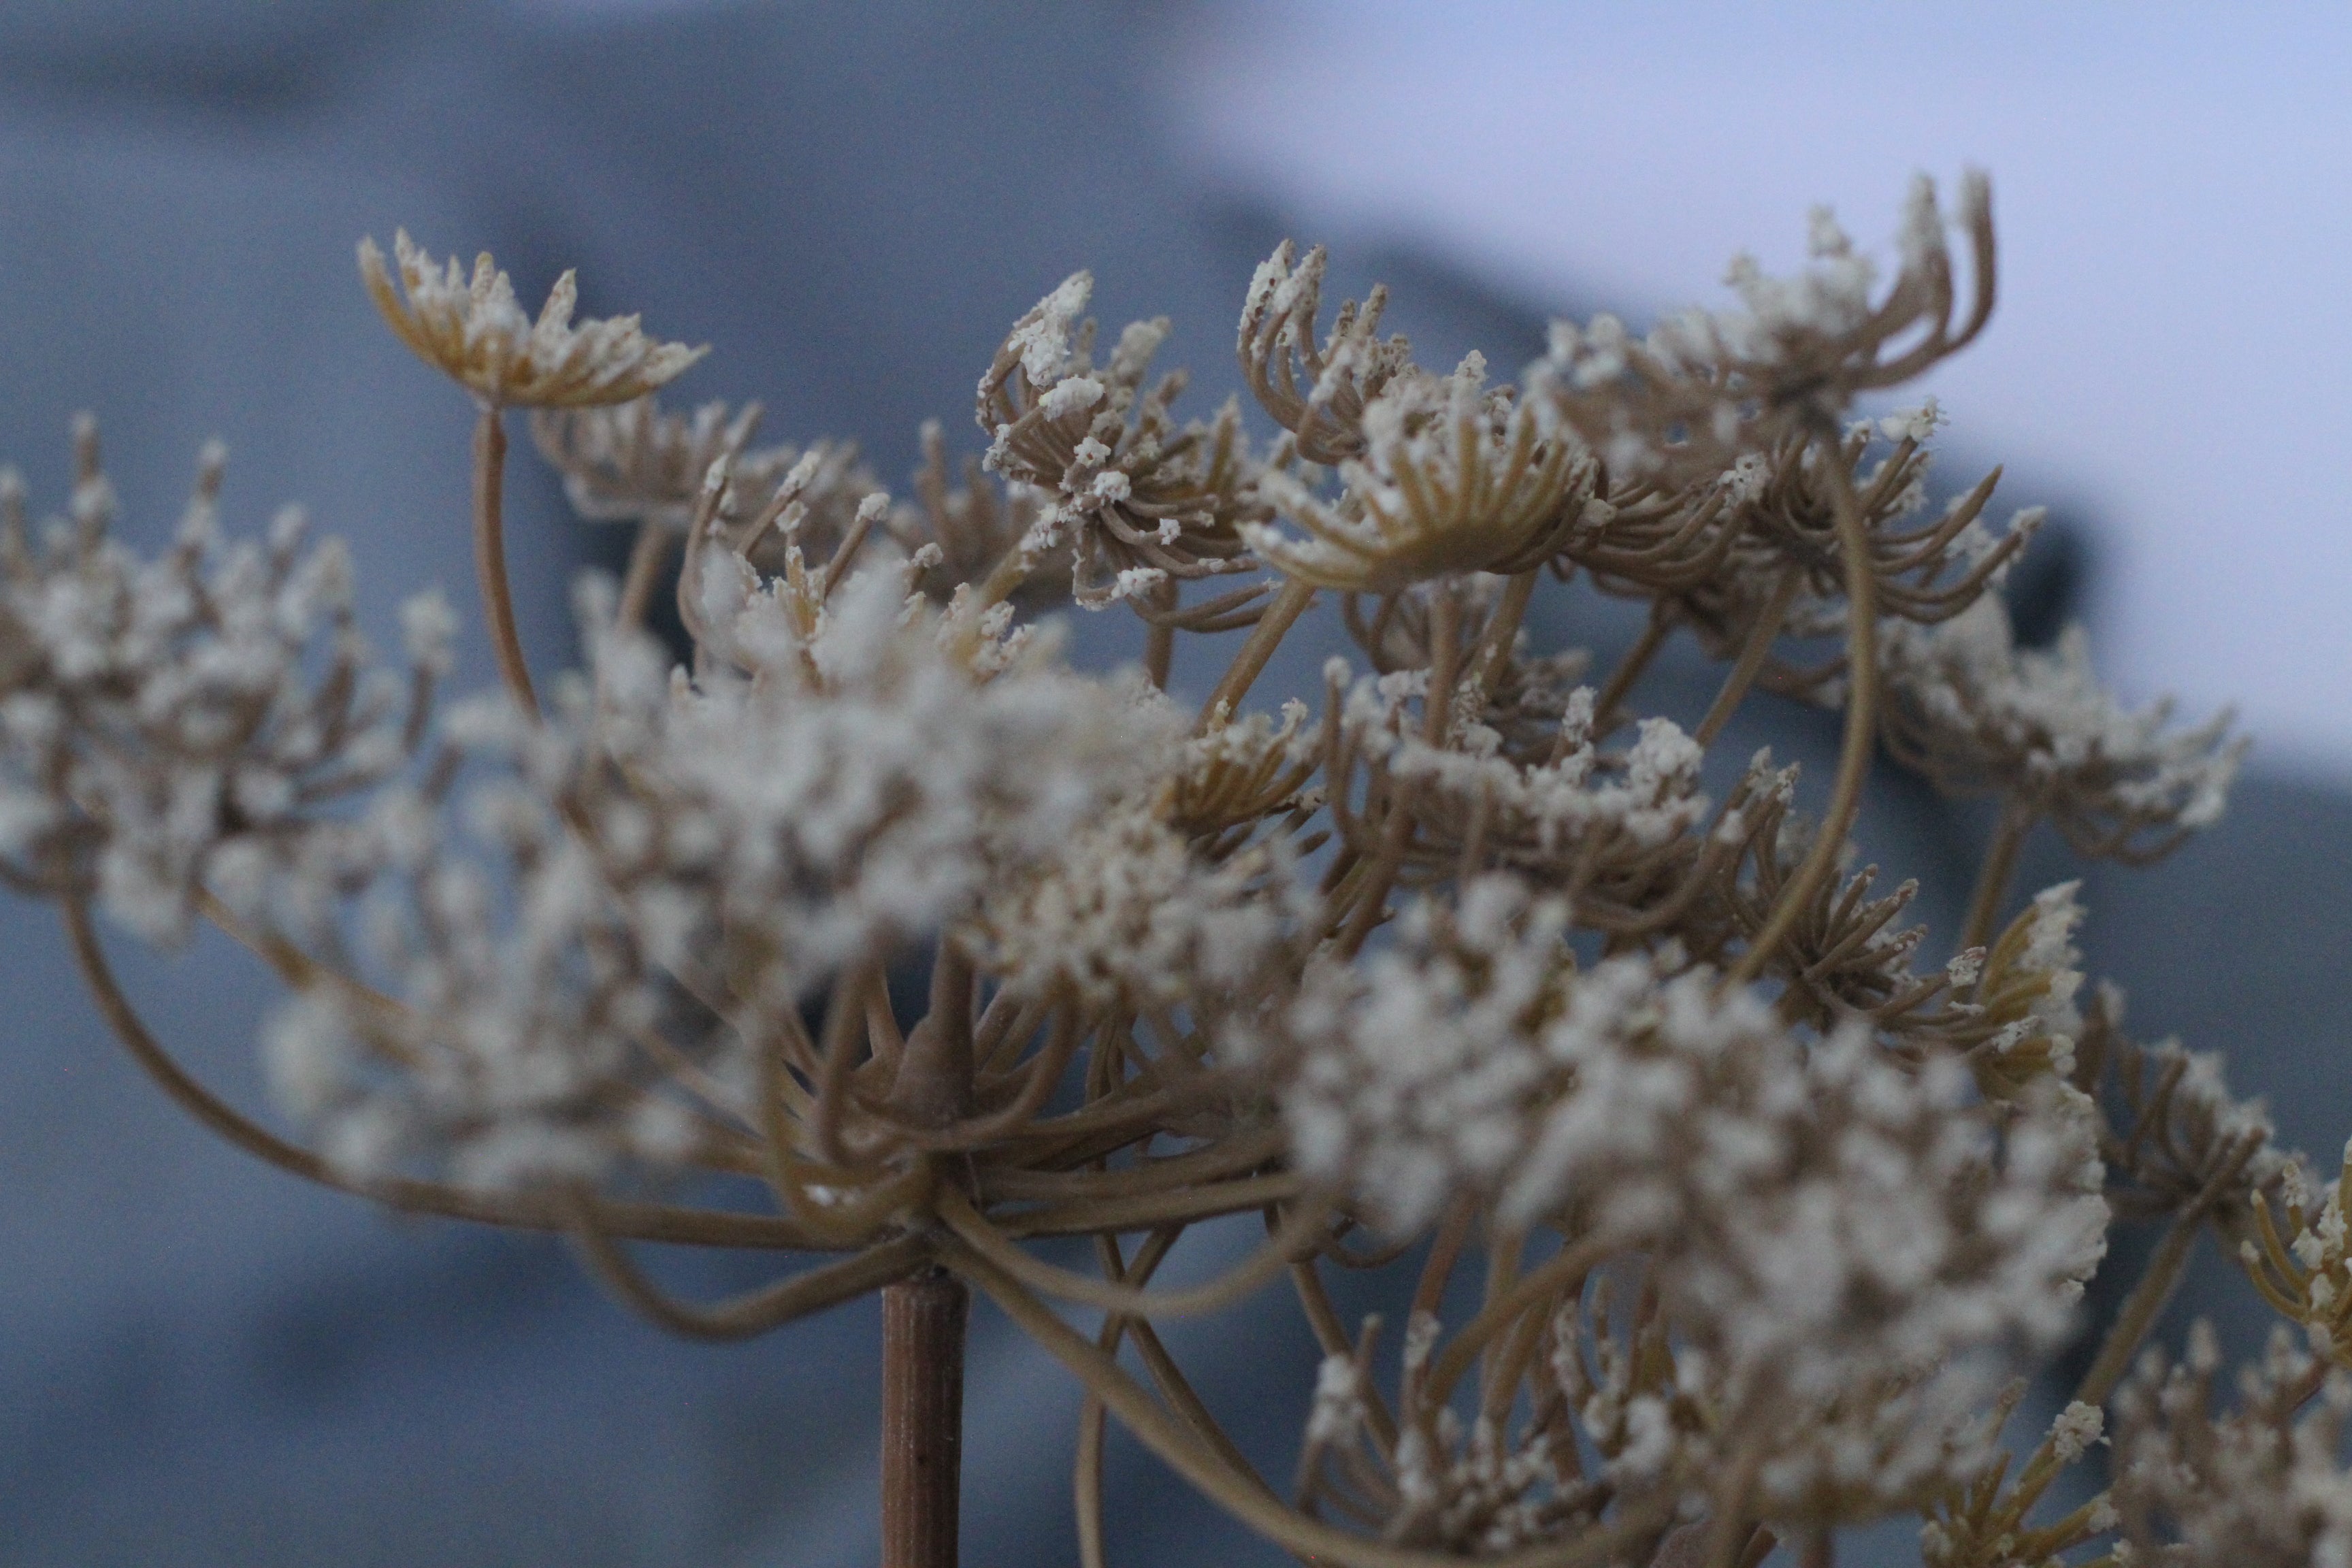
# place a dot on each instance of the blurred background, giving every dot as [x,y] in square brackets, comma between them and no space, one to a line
[202,1362]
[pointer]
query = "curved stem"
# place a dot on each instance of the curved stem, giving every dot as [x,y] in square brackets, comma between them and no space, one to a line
[2156,1286]
[1176,1390]
[1621,680]
[1323,1316]
[1533,1288]
[646,558]
[640,1221]
[1087,1474]
[1494,648]
[490,556]
[1146,1211]
[1752,655]
[975,1232]
[1861,720]
[2017,820]
[1167,1437]
[1230,1156]
[755,1313]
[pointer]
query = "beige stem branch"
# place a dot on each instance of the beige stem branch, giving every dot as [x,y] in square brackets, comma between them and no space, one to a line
[490,556]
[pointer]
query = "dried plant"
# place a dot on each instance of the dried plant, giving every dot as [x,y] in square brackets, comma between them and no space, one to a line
[1475,961]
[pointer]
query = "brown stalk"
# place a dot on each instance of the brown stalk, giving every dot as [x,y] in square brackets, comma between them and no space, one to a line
[1861,727]
[490,556]
[645,557]
[2017,820]
[1250,662]
[923,1321]
[1752,655]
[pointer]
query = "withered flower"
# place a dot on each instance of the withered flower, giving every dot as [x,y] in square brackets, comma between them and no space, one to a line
[1702,390]
[635,462]
[1454,477]
[1977,714]
[1142,504]
[976,525]
[472,331]
[1340,377]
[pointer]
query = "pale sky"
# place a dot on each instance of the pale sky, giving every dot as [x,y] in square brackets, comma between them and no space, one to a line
[2173,184]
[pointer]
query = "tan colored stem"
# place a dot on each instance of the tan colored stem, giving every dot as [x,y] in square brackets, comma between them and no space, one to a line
[1629,670]
[1495,643]
[1146,1211]
[2000,868]
[923,1321]
[1821,861]
[641,1222]
[975,1231]
[491,557]
[1533,1288]
[1752,655]
[2147,1297]
[646,558]
[1087,1474]
[755,1313]
[1160,636]
[1166,1436]
[1177,1392]
[1250,662]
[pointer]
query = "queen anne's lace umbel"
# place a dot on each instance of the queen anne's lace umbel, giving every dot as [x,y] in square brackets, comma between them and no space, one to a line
[861,923]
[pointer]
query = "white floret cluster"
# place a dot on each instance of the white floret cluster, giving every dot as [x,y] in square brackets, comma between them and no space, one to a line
[179,722]
[2264,1486]
[1647,793]
[1128,910]
[1821,1213]
[1977,712]
[838,794]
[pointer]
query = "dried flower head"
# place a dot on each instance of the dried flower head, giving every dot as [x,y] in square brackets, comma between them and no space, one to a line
[473,331]
[634,462]
[1340,376]
[1686,404]
[1142,504]
[1975,712]
[179,724]
[2258,1486]
[1452,478]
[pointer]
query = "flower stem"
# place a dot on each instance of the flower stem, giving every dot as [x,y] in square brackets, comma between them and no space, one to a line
[922,1418]
[1861,723]
[490,556]
[2000,867]
[1758,648]
[1265,638]
[646,558]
